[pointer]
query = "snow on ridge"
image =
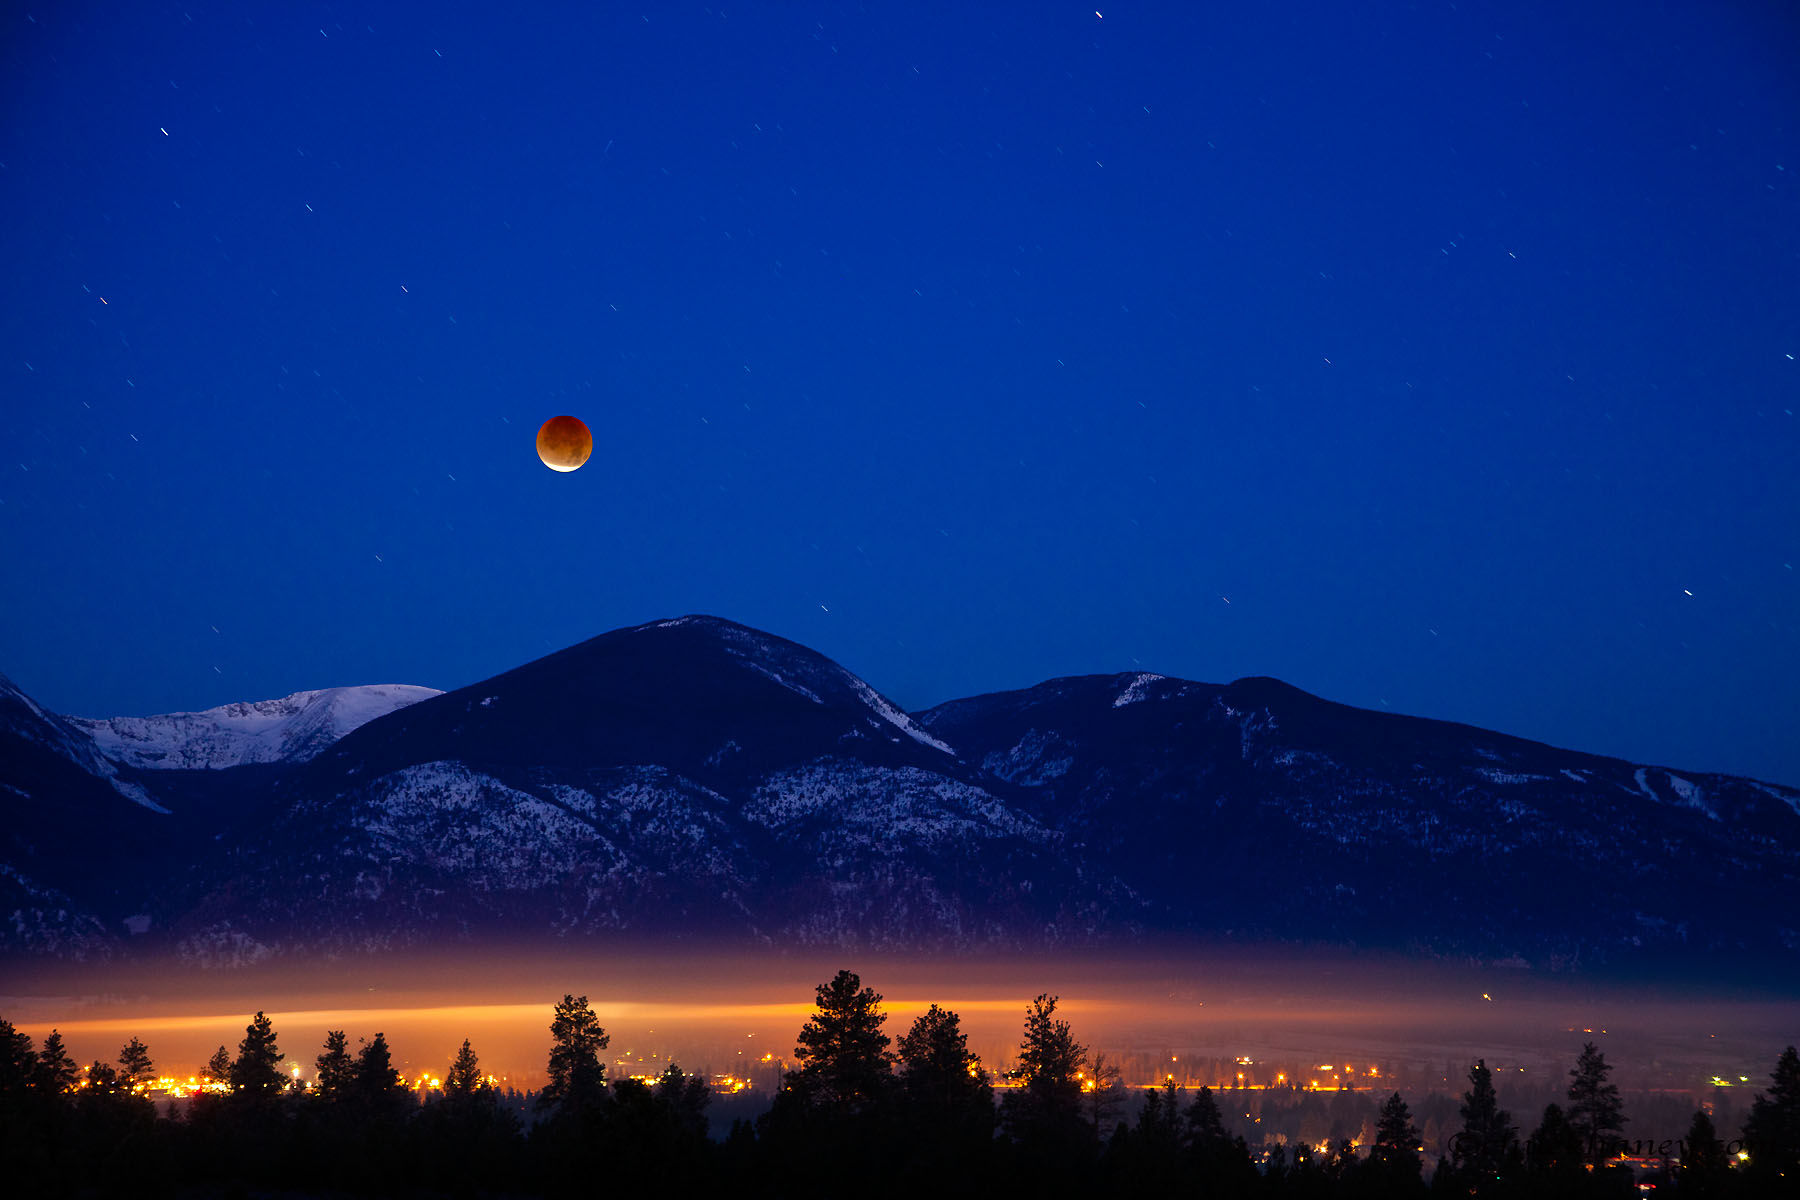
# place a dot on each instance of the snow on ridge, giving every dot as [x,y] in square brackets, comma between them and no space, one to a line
[764,653]
[292,728]
[13,689]
[894,716]
[789,684]
[135,792]
[756,652]
[1785,795]
[1134,691]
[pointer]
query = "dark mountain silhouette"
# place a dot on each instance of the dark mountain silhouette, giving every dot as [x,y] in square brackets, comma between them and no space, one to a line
[1257,808]
[696,779]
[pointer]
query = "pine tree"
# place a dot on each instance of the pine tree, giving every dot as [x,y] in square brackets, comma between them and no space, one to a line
[1394,1158]
[1772,1133]
[256,1071]
[1595,1110]
[18,1060]
[1221,1161]
[377,1081]
[56,1071]
[1554,1149]
[218,1067]
[683,1100]
[845,1066]
[1487,1144]
[1158,1132]
[1149,1158]
[1703,1159]
[467,1139]
[464,1080]
[1206,1124]
[941,1078]
[577,1077]
[134,1064]
[1045,1107]
[337,1071]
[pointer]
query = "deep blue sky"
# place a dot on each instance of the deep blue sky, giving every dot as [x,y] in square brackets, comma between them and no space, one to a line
[1424,356]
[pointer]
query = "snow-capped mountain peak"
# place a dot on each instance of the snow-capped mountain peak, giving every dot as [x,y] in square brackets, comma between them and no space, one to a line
[292,729]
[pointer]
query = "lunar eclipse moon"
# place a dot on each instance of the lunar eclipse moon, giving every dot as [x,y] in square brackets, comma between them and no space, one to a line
[564,443]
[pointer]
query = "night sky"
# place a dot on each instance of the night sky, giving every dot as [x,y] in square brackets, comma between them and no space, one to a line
[1432,357]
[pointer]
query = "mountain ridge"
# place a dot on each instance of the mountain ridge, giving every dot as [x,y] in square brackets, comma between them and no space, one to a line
[291,728]
[694,778]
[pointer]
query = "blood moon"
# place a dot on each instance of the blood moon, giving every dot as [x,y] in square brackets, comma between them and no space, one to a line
[564,443]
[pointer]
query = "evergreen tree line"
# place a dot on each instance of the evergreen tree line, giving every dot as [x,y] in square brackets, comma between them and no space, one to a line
[860,1114]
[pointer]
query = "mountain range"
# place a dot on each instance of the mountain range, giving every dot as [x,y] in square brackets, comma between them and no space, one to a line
[695,780]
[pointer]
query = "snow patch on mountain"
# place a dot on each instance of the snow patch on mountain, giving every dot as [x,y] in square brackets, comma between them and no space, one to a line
[1494,776]
[1036,758]
[1136,690]
[135,792]
[36,919]
[889,807]
[1691,794]
[894,716]
[292,729]
[465,823]
[222,947]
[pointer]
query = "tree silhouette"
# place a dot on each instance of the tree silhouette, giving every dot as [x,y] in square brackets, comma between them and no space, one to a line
[1394,1165]
[377,1082]
[256,1071]
[337,1070]
[1772,1132]
[218,1067]
[577,1083]
[466,1135]
[464,1080]
[683,1100]
[945,1086]
[844,1062]
[26,1165]
[655,1133]
[1703,1159]
[134,1064]
[1221,1160]
[18,1060]
[1206,1124]
[1102,1094]
[1595,1111]
[1150,1157]
[1487,1146]
[1553,1152]
[56,1071]
[1044,1110]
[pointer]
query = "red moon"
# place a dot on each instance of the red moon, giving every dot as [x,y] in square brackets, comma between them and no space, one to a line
[564,443]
